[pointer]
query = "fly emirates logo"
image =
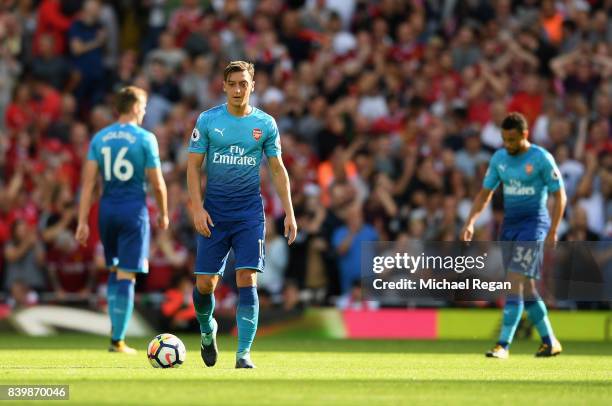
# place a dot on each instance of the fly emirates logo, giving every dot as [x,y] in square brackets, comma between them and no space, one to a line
[235,157]
[516,188]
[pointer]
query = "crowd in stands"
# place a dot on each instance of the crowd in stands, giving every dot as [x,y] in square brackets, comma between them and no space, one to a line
[389,111]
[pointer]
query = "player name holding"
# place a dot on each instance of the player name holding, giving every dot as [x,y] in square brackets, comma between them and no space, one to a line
[126,155]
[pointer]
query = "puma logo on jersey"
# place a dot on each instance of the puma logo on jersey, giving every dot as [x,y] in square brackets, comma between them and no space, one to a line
[502,167]
[219,131]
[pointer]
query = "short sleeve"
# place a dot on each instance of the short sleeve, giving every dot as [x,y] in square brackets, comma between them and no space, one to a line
[491,179]
[551,174]
[91,151]
[272,145]
[198,142]
[151,152]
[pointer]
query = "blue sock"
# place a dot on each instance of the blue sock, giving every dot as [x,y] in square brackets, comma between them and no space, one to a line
[204,306]
[111,294]
[512,315]
[122,308]
[536,310]
[247,315]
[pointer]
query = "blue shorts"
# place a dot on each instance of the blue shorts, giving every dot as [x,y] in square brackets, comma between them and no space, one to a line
[245,237]
[125,233]
[523,249]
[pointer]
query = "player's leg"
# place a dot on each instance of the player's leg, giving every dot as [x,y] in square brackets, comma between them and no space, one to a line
[122,311]
[247,315]
[248,243]
[111,293]
[538,314]
[108,236]
[133,252]
[204,303]
[211,258]
[513,309]
[531,267]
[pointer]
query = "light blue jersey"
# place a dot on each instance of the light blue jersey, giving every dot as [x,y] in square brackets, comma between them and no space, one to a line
[233,147]
[527,180]
[123,153]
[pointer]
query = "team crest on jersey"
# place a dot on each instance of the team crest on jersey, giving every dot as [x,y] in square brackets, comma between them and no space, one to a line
[528,169]
[257,134]
[195,135]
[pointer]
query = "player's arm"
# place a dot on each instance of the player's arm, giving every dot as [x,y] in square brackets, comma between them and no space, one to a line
[90,172]
[201,218]
[157,182]
[554,182]
[489,184]
[480,202]
[558,208]
[280,178]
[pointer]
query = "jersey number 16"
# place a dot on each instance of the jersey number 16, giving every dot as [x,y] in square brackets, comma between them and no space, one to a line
[122,169]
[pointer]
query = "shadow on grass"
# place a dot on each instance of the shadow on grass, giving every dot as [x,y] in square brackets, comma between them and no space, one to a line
[271,344]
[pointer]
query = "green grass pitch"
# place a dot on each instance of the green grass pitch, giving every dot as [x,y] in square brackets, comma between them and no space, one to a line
[315,371]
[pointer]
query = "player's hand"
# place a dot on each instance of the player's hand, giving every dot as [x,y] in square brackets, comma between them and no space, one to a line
[290,229]
[82,233]
[163,222]
[201,221]
[551,239]
[467,233]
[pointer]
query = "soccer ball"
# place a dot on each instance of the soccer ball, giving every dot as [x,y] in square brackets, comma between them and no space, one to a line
[166,351]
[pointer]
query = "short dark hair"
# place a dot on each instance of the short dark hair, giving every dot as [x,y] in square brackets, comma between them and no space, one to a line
[515,121]
[238,66]
[127,97]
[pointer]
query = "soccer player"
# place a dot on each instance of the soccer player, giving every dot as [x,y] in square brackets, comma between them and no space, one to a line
[126,155]
[232,137]
[528,173]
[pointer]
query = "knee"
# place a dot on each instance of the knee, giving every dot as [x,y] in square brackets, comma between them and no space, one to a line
[246,277]
[205,285]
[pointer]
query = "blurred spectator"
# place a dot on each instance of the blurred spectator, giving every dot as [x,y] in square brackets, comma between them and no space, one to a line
[178,305]
[20,112]
[53,21]
[168,53]
[9,70]
[110,24]
[184,19]
[471,156]
[168,258]
[71,267]
[272,278]
[87,38]
[491,132]
[21,295]
[162,82]
[528,100]
[579,228]
[24,258]
[466,51]
[62,128]
[347,241]
[50,67]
